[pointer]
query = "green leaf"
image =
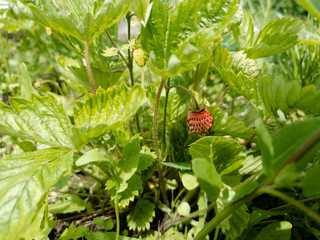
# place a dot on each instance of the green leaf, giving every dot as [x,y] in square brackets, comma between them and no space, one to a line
[312,6]
[107,224]
[178,165]
[173,233]
[244,33]
[224,124]
[289,138]
[276,37]
[178,39]
[208,177]
[71,203]
[224,153]
[240,73]
[141,215]
[251,165]
[26,83]
[94,155]
[189,181]
[106,110]
[184,209]
[277,230]
[245,190]
[311,181]
[260,214]
[237,222]
[146,159]
[267,149]
[84,20]
[42,120]
[72,233]
[278,94]
[26,179]
[126,196]
[128,163]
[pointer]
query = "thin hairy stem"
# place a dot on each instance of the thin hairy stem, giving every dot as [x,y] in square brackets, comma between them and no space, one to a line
[87,57]
[155,141]
[116,46]
[117,216]
[165,115]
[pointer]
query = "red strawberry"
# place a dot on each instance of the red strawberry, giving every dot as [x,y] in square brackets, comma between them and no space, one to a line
[200,122]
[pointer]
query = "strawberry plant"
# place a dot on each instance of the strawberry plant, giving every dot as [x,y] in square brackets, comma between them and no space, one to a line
[100,139]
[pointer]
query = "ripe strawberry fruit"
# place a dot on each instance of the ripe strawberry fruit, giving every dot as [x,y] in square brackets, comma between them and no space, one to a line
[200,122]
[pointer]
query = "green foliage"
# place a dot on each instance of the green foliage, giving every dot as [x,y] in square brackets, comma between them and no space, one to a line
[310,186]
[311,6]
[84,20]
[42,120]
[125,183]
[98,158]
[26,180]
[278,230]
[278,94]
[71,203]
[237,222]
[224,153]
[177,40]
[141,215]
[208,177]
[106,110]
[276,37]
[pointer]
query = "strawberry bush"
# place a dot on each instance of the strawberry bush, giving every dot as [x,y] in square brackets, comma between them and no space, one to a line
[158,119]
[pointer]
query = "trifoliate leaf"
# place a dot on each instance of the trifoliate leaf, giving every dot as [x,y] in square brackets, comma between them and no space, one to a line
[276,37]
[141,215]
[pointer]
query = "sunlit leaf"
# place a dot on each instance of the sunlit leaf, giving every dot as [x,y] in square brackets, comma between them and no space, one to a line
[106,110]
[178,39]
[208,177]
[42,120]
[266,146]
[26,179]
[141,215]
[224,153]
[84,20]
[276,37]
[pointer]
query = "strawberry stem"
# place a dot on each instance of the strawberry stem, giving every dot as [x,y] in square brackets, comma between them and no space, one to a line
[186,89]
